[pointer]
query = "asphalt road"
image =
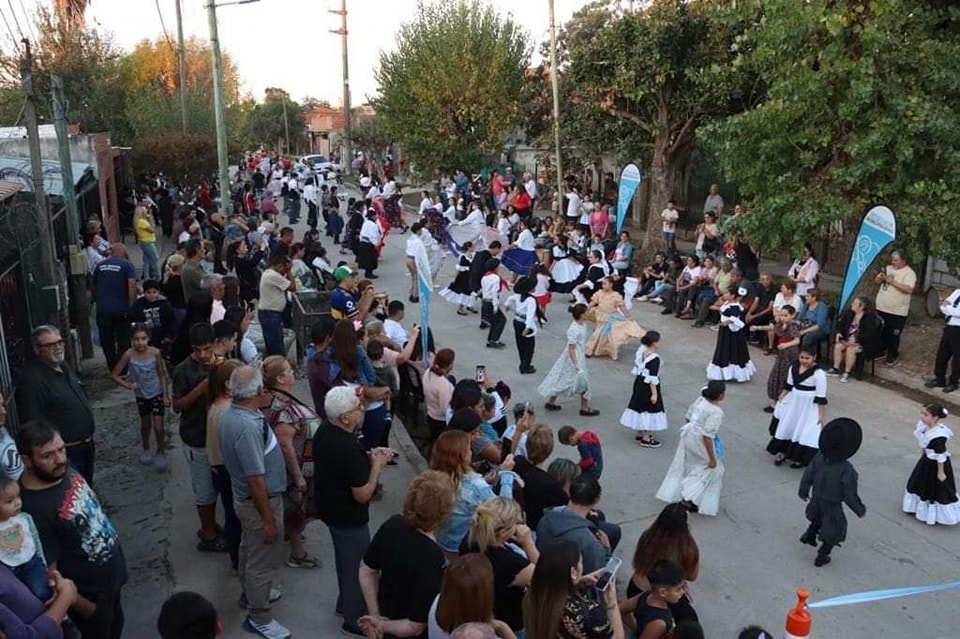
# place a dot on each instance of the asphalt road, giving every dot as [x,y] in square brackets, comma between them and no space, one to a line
[752,562]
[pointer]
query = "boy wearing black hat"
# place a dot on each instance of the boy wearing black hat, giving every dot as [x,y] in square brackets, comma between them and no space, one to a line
[834,483]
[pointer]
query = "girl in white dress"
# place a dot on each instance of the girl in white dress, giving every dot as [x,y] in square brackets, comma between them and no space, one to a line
[569,375]
[696,473]
[566,270]
[800,412]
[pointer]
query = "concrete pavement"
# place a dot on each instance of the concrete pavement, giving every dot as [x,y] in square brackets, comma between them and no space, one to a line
[751,559]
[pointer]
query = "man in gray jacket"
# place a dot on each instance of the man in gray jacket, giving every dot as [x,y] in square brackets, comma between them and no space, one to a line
[570,522]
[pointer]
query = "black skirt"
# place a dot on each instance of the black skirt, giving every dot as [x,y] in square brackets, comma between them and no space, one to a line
[366,256]
[923,482]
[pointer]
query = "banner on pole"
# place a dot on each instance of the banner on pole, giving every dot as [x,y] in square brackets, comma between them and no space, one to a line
[877,230]
[425,289]
[629,183]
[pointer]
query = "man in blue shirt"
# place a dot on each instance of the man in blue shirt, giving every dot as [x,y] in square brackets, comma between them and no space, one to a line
[115,288]
[258,478]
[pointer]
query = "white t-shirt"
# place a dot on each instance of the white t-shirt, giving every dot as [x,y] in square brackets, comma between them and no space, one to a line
[10,463]
[573,205]
[521,449]
[425,205]
[395,331]
[669,217]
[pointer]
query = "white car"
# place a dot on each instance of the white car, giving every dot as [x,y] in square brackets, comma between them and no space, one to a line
[321,163]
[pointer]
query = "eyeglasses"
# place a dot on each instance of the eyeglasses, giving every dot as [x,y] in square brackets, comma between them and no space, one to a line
[56,344]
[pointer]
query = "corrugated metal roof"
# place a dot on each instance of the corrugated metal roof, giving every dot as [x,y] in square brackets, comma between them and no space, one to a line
[20,132]
[8,189]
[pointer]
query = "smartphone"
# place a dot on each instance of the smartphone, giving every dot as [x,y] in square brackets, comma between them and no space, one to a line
[481,374]
[251,306]
[609,573]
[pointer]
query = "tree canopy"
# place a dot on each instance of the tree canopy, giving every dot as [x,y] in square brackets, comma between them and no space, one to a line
[862,108]
[450,91]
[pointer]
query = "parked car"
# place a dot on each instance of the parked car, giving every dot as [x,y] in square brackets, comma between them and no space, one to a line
[321,163]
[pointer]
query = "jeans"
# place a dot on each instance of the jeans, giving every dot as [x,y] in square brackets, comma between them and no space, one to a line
[106,622]
[151,261]
[271,323]
[525,345]
[662,289]
[259,561]
[114,329]
[373,427]
[80,457]
[33,574]
[231,523]
[349,547]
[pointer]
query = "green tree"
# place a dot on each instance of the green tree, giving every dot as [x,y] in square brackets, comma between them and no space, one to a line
[368,137]
[862,108]
[450,91]
[640,84]
[268,122]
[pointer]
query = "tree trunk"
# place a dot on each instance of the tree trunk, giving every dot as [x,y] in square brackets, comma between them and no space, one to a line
[667,180]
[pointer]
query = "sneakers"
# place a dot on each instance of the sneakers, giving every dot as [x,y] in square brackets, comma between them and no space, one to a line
[270,630]
[160,461]
[496,345]
[656,300]
[934,383]
[146,458]
[643,298]
[844,377]
[275,595]
[833,372]
[307,561]
[217,544]
[650,443]
[550,406]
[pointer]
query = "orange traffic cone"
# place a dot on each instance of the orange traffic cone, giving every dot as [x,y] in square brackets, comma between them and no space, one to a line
[798,619]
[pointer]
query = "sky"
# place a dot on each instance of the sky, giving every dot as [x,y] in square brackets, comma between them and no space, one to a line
[288,44]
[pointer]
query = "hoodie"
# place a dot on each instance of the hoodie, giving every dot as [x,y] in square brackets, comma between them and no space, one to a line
[563,523]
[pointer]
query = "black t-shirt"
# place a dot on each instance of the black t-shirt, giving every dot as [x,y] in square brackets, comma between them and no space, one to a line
[646,613]
[339,465]
[193,419]
[540,491]
[507,599]
[77,535]
[411,569]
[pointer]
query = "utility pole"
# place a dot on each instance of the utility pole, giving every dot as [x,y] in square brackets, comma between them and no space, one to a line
[77,260]
[286,124]
[49,261]
[182,63]
[342,32]
[556,108]
[218,112]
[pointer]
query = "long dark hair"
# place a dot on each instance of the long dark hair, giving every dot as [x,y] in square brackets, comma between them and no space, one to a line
[550,587]
[668,537]
[344,347]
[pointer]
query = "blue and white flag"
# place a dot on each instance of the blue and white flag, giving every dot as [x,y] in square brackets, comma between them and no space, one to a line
[425,289]
[877,230]
[629,183]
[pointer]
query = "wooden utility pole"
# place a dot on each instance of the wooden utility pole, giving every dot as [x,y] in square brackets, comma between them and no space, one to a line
[77,260]
[44,223]
[182,64]
[556,110]
[342,32]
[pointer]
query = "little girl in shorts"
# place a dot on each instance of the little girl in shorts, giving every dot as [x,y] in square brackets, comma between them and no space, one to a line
[147,378]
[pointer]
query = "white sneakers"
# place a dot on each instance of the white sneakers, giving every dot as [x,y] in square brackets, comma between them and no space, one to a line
[270,630]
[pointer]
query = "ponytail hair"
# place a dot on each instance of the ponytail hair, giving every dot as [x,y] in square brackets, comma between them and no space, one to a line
[713,390]
[577,310]
[491,519]
[650,338]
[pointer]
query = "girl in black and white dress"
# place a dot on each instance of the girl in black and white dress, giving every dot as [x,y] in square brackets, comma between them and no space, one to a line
[645,413]
[459,291]
[566,270]
[731,357]
[931,493]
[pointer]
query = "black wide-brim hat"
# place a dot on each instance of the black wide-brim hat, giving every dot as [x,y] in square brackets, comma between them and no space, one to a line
[840,439]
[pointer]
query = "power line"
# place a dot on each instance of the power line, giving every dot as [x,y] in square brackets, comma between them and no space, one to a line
[13,36]
[30,25]
[163,26]
[15,21]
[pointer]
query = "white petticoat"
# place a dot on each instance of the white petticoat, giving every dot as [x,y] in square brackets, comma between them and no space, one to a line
[643,421]
[731,372]
[931,513]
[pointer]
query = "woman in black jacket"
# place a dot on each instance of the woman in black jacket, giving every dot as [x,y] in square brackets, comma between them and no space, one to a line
[858,334]
[246,264]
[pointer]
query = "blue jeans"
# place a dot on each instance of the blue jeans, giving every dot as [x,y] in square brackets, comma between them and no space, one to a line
[271,323]
[661,289]
[151,261]
[33,574]
[231,523]
[374,422]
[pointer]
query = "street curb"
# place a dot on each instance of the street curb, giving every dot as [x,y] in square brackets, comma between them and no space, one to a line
[406,447]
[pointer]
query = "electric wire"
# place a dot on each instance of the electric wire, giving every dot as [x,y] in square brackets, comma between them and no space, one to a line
[163,26]
[15,21]
[13,36]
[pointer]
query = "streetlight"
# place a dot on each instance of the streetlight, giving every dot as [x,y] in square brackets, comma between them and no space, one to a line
[218,113]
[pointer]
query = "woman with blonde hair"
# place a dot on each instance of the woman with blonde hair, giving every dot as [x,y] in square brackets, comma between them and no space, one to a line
[466,595]
[451,455]
[173,289]
[294,424]
[497,530]
[145,228]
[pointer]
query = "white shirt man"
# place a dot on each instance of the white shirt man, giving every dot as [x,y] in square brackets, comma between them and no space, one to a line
[425,205]
[573,205]
[531,186]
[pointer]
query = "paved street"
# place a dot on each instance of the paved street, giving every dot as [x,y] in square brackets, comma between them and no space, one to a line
[751,559]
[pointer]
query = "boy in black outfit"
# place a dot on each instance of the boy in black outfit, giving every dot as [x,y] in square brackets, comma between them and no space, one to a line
[154,311]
